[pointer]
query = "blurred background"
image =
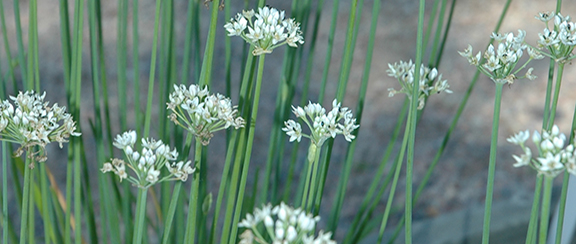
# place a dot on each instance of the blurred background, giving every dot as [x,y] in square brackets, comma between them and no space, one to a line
[459,181]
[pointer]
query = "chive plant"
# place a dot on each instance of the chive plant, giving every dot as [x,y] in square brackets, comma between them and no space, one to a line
[184,113]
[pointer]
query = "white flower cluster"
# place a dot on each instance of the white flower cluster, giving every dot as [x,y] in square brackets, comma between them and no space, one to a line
[148,162]
[559,40]
[202,113]
[430,81]
[553,157]
[31,122]
[267,32]
[322,125]
[500,62]
[284,225]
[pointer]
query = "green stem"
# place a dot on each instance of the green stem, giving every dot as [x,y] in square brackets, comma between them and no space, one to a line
[136,66]
[140,216]
[559,73]
[307,181]
[4,194]
[21,59]
[329,49]
[492,164]
[223,183]
[313,160]
[411,122]
[248,152]
[25,200]
[47,222]
[193,204]
[548,94]
[545,210]
[148,117]
[206,72]
[171,210]
[562,207]
[398,165]
[531,235]
[31,217]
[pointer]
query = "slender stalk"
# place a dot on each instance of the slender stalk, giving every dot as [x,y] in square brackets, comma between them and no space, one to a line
[545,210]
[395,181]
[548,94]
[152,75]
[245,94]
[223,184]
[193,203]
[21,52]
[248,152]
[31,217]
[411,122]
[334,217]
[140,216]
[75,105]
[330,44]
[68,213]
[188,43]
[171,210]
[564,194]
[313,159]
[206,73]
[492,164]
[372,197]
[136,65]
[25,200]
[309,171]
[4,194]
[552,116]
[562,207]
[47,222]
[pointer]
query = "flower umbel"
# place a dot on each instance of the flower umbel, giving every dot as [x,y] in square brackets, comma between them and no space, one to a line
[430,81]
[31,122]
[500,60]
[554,157]
[322,125]
[147,163]
[558,40]
[202,113]
[283,224]
[267,31]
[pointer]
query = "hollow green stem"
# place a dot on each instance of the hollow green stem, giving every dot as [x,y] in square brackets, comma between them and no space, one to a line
[140,216]
[532,225]
[394,181]
[562,207]
[25,200]
[248,152]
[552,116]
[4,194]
[313,161]
[152,75]
[492,164]
[171,211]
[193,204]
[545,210]
[411,122]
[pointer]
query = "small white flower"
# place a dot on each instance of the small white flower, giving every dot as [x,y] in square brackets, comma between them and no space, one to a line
[126,139]
[203,114]
[524,159]
[293,129]
[267,31]
[152,175]
[550,164]
[519,138]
